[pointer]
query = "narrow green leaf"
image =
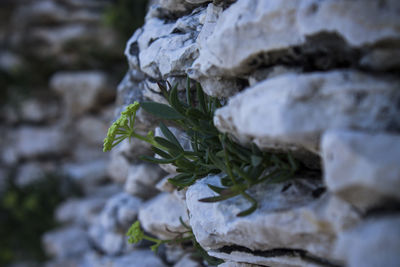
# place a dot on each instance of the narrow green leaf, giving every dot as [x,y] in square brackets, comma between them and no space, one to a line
[167,144]
[201,99]
[188,96]
[216,189]
[159,161]
[169,135]
[182,180]
[174,101]
[256,160]
[161,110]
[161,153]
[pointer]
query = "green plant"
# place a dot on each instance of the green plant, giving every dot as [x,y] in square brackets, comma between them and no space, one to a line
[213,152]
[135,235]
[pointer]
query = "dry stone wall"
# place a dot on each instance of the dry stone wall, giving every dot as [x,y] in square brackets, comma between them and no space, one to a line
[317,78]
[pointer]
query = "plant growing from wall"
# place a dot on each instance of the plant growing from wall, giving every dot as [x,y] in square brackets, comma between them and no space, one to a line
[212,152]
[135,235]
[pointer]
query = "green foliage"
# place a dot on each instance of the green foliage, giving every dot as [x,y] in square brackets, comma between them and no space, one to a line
[213,152]
[26,213]
[135,235]
[125,16]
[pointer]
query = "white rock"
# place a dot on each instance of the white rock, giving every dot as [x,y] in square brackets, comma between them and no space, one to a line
[66,242]
[362,168]
[118,167]
[80,211]
[306,105]
[270,25]
[378,235]
[137,258]
[288,216]
[350,20]
[168,53]
[38,141]
[81,90]
[160,216]
[142,179]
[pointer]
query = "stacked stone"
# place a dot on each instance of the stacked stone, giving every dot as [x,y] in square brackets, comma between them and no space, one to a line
[317,78]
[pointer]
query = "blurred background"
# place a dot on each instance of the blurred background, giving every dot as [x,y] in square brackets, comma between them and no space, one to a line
[60,64]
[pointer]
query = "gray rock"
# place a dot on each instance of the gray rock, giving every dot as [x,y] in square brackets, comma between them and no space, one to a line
[92,130]
[35,110]
[109,242]
[306,105]
[288,216]
[159,218]
[142,179]
[82,90]
[118,167]
[378,235]
[164,186]
[362,168]
[87,174]
[80,211]
[33,171]
[381,59]
[120,212]
[187,261]
[38,141]
[136,258]
[70,241]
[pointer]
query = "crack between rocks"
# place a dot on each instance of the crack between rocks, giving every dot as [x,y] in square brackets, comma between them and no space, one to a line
[278,252]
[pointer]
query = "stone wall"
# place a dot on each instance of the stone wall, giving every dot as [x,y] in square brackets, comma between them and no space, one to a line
[318,78]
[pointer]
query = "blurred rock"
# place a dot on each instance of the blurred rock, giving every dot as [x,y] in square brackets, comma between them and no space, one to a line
[118,167]
[142,179]
[361,168]
[159,218]
[187,261]
[82,90]
[39,110]
[33,171]
[39,141]
[80,211]
[378,235]
[71,241]
[92,130]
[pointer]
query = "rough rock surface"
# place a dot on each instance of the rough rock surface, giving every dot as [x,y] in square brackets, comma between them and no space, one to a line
[380,235]
[362,168]
[157,217]
[290,215]
[306,105]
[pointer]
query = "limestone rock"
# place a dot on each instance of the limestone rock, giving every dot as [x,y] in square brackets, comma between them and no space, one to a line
[236,264]
[80,211]
[118,167]
[136,258]
[38,141]
[350,20]
[380,235]
[120,211]
[66,242]
[306,105]
[290,215]
[109,242]
[168,48]
[82,90]
[159,218]
[142,179]
[362,168]
[87,174]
